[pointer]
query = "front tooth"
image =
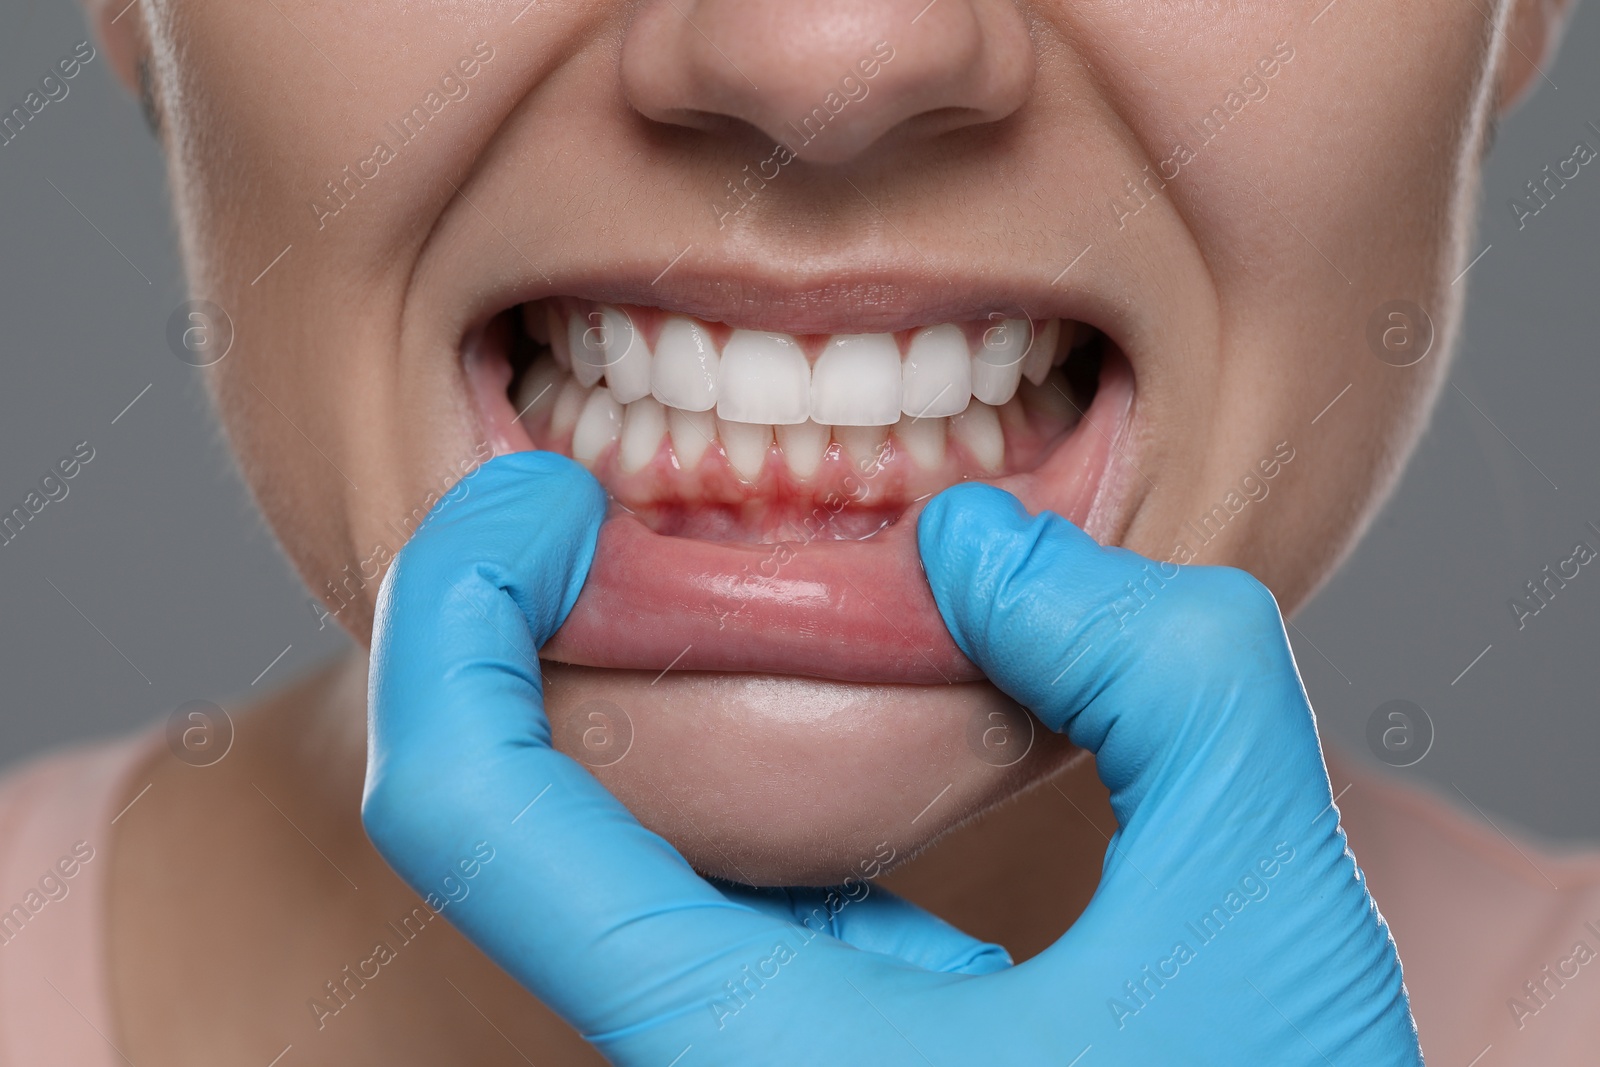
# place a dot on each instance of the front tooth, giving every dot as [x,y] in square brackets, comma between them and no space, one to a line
[938,373]
[569,405]
[764,379]
[924,439]
[644,424]
[978,428]
[627,357]
[684,374]
[586,351]
[745,445]
[599,424]
[863,444]
[1036,364]
[692,433]
[997,365]
[804,444]
[857,381]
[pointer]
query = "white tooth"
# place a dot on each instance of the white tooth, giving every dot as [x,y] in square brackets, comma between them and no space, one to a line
[862,444]
[804,444]
[1036,364]
[627,357]
[644,425]
[745,445]
[938,373]
[585,351]
[924,439]
[997,365]
[599,425]
[992,384]
[857,381]
[569,405]
[764,379]
[692,433]
[978,428]
[538,389]
[684,374]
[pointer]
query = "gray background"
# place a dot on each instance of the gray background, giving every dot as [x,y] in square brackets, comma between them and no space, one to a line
[167,588]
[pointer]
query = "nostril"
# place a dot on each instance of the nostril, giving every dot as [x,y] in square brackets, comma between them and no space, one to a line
[828,78]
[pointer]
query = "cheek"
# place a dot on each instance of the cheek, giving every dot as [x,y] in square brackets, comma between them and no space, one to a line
[1348,187]
[776,781]
[291,452]
[334,419]
[344,430]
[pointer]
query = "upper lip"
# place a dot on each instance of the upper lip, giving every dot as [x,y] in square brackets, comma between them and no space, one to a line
[819,299]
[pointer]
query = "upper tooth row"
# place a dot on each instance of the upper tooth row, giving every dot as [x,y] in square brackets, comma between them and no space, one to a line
[762,377]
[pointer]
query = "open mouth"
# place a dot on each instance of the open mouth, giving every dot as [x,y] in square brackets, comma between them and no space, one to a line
[765,484]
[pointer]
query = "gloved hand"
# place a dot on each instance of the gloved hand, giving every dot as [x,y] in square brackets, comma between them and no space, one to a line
[1231,926]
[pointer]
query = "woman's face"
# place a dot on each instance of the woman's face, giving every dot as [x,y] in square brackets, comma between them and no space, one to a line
[778,271]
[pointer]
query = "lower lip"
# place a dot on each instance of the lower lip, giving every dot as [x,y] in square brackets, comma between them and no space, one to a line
[853,611]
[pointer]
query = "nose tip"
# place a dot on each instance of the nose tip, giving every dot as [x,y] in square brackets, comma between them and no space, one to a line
[828,78]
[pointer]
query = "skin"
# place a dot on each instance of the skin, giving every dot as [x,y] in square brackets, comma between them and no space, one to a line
[596,139]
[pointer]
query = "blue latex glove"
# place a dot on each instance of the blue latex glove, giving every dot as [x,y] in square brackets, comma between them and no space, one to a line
[1231,926]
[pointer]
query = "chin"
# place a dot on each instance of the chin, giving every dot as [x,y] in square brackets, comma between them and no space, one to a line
[780,780]
[756,666]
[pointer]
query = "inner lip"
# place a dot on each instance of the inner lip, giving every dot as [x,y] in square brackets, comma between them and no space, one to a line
[867,478]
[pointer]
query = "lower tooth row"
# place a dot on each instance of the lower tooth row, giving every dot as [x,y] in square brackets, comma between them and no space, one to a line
[597,421]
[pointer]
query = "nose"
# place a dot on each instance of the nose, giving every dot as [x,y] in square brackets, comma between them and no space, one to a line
[828,78]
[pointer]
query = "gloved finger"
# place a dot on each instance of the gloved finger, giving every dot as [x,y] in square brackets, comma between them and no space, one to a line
[1028,598]
[869,917]
[1180,680]
[578,901]
[1134,660]
[1189,700]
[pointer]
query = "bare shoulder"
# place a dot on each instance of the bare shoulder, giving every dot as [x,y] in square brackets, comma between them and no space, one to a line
[56,815]
[1499,935]
[192,891]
